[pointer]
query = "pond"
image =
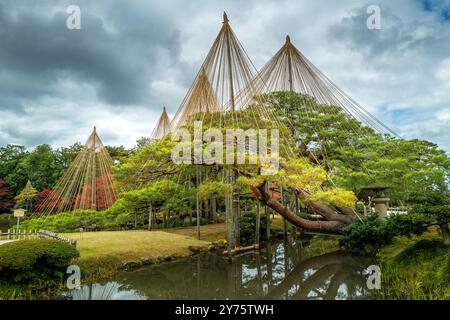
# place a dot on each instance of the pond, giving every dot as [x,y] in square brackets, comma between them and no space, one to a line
[278,271]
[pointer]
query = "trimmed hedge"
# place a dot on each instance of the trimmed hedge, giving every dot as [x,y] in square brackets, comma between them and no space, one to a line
[35,260]
[71,222]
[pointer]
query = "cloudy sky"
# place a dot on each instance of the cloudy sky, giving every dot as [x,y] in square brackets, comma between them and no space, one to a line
[132,57]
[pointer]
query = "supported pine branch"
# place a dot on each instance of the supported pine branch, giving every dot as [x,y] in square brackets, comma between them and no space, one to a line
[321,209]
[334,223]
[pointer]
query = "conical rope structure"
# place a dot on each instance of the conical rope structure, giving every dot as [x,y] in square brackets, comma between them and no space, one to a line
[86,184]
[290,70]
[224,95]
[223,86]
[162,127]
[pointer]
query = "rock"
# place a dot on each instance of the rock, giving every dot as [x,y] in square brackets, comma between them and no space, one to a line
[130,265]
[166,258]
[155,260]
[220,243]
[212,247]
[197,249]
[146,261]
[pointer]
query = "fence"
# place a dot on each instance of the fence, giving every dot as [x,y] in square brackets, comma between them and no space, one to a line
[34,234]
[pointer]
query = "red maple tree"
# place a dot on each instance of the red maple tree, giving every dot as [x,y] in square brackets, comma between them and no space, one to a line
[6,196]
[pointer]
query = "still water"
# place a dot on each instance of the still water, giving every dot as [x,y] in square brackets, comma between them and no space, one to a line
[279,271]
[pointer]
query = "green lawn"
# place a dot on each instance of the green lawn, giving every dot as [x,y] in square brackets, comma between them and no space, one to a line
[133,245]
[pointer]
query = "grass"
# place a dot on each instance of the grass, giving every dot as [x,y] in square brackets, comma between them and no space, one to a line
[415,268]
[102,253]
[132,245]
[211,232]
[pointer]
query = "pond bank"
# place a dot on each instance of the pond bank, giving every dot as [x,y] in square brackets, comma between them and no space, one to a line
[415,268]
[104,253]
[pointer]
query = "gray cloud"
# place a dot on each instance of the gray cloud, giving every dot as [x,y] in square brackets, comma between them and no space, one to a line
[39,49]
[405,62]
[132,57]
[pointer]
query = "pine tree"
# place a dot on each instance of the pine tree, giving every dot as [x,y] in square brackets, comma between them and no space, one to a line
[26,197]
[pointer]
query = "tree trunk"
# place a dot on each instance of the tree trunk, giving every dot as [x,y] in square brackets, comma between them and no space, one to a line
[150,218]
[213,210]
[445,233]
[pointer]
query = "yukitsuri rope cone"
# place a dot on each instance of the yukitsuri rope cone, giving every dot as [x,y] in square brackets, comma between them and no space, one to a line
[87,183]
[290,70]
[223,86]
[162,128]
[223,89]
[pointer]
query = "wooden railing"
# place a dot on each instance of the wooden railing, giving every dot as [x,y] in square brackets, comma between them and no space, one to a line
[13,234]
[45,234]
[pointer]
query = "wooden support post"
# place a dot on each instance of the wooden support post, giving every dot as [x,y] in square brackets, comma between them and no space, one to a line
[267,215]
[257,223]
[213,210]
[198,202]
[285,223]
[237,217]
[229,214]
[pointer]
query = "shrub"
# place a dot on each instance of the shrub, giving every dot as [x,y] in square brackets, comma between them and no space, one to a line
[34,261]
[366,237]
[406,224]
[69,221]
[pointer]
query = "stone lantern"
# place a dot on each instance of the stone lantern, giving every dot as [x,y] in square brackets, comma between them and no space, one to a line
[376,195]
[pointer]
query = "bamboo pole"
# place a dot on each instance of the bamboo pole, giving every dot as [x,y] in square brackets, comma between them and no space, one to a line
[94,174]
[288,42]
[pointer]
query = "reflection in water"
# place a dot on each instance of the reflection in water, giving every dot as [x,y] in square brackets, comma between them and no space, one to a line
[279,271]
[111,290]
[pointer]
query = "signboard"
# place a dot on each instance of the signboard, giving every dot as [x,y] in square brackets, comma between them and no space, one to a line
[19,213]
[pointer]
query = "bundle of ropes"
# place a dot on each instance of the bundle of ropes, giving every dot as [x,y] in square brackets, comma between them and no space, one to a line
[86,184]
